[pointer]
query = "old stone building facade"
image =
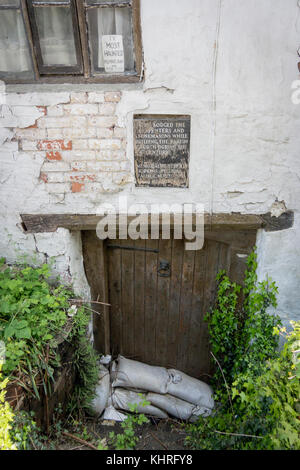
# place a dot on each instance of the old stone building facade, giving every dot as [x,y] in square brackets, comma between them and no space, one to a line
[66,148]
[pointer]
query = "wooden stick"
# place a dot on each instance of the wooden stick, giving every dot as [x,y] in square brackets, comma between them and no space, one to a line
[32,442]
[236,434]
[92,310]
[46,394]
[224,380]
[161,443]
[82,441]
[90,302]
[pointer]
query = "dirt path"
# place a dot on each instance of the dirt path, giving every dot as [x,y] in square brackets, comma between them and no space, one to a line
[155,435]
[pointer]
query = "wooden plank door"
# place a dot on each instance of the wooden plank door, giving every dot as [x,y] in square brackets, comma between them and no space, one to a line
[156,316]
[159,294]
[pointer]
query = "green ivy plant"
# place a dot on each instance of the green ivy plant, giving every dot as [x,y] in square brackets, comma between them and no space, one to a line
[242,336]
[25,433]
[265,411]
[257,386]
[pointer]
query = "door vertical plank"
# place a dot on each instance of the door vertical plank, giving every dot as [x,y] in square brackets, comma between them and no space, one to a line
[210,284]
[162,306]
[139,300]
[150,301]
[172,334]
[196,363]
[115,299]
[224,257]
[128,300]
[185,308]
[106,309]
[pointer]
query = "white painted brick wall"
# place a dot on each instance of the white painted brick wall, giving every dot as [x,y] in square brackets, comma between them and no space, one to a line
[72,133]
[96,97]
[244,136]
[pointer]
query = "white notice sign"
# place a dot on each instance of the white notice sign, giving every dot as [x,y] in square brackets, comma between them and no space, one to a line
[113,53]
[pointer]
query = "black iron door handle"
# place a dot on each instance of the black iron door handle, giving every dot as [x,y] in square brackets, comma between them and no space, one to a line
[164,269]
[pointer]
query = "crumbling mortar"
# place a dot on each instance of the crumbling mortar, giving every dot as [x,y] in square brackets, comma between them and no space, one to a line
[38,251]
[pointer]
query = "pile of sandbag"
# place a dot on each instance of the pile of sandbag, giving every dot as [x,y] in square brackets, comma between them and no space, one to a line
[169,391]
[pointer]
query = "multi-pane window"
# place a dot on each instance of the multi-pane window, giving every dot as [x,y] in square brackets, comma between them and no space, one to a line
[15,54]
[90,40]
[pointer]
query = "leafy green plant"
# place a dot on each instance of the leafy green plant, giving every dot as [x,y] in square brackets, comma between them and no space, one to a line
[128,439]
[32,313]
[35,315]
[242,335]
[272,395]
[265,413]
[25,433]
[257,386]
[102,445]
[6,418]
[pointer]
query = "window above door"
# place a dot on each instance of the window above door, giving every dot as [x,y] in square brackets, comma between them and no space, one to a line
[70,41]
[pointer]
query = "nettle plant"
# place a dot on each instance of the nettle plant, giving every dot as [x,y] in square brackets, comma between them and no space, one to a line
[32,312]
[257,387]
[33,315]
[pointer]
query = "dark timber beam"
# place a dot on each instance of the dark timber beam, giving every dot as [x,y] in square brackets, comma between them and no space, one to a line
[36,223]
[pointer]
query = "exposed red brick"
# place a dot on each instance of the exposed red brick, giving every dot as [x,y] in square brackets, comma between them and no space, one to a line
[58,144]
[83,177]
[43,109]
[112,96]
[31,127]
[77,187]
[53,155]
[44,177]
[91,177]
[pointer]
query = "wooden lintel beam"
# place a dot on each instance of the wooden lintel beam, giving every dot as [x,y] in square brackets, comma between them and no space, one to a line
[36,223]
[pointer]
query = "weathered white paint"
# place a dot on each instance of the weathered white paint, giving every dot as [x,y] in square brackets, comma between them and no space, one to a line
[230,65]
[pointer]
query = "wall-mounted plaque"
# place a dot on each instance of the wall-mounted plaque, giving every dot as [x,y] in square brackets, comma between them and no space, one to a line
[161,150]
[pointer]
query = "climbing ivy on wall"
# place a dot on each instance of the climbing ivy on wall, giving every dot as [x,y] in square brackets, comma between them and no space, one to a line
[257,387]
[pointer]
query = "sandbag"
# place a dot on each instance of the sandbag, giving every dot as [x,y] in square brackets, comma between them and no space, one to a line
[172,405]
[190,389]
[122,398]
[200,411]
[105,360]
[111,414]
[134,374]
[102,391]
[176,407]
